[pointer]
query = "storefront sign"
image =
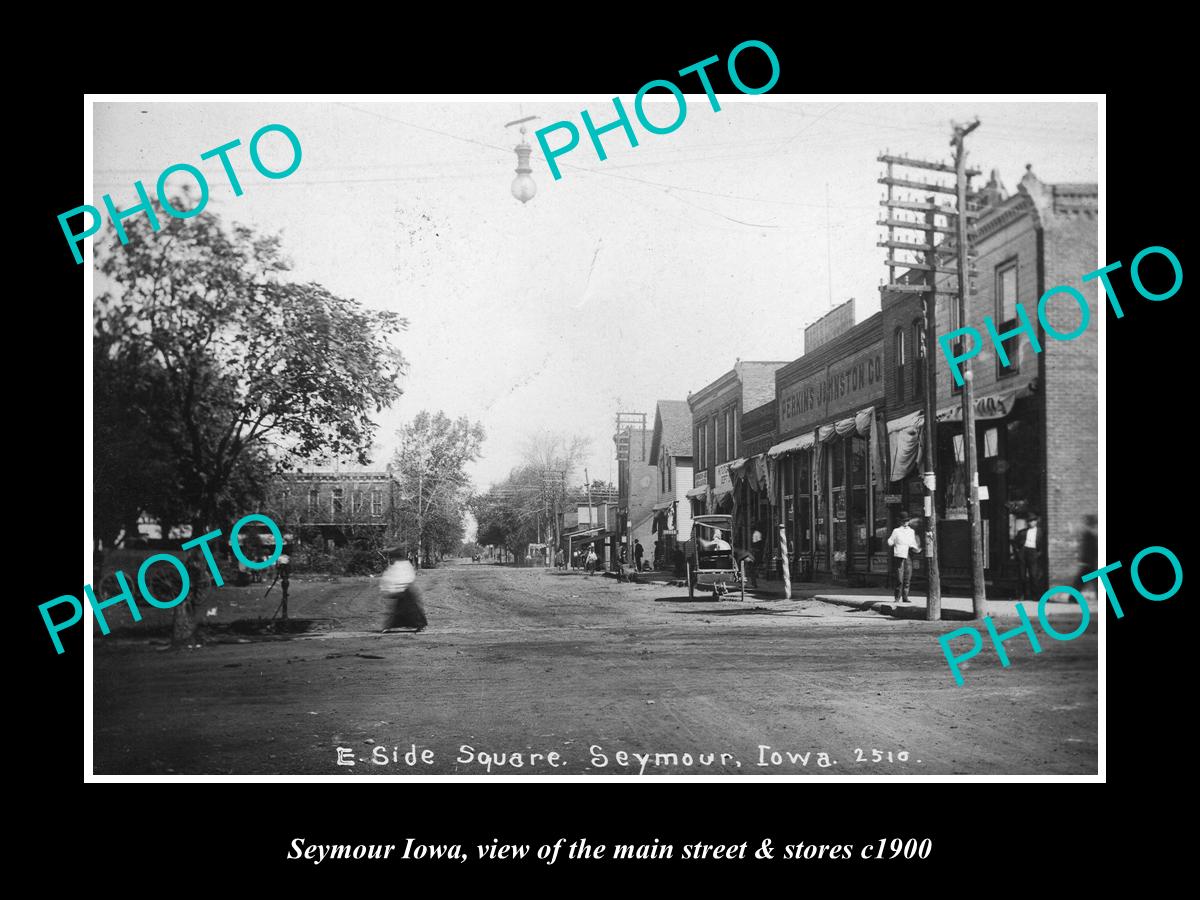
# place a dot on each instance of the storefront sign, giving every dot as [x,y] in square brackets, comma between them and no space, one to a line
[892,498]
[724,482]
[993,406]
[843,385]
[700,477]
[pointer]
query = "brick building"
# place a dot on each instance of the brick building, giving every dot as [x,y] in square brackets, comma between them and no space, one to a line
[332,505]
[1036,418]
[717,412]
[825,472]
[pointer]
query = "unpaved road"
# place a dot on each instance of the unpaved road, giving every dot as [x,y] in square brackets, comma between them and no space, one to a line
[526,661]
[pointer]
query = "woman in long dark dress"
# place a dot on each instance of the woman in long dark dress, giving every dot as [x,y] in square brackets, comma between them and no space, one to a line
[399,583]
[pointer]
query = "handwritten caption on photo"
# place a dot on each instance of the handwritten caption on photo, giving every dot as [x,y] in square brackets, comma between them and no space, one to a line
[955,661]
[630,761]
[583,849]
[126,595]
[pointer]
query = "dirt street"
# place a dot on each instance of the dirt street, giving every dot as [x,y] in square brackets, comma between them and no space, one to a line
[593,676]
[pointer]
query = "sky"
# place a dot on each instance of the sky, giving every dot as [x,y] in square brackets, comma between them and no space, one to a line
[638,278]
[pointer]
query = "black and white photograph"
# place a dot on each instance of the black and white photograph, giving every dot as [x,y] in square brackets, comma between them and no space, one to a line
[685,435]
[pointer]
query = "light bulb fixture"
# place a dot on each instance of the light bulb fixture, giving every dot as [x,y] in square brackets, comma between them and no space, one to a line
[523,186]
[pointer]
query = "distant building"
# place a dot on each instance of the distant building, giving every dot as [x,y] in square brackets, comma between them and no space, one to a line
[717,412]
[332,505]
[637,486]
[671,451]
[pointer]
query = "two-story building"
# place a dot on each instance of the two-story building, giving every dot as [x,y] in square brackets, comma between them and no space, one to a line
[716,411]
[1035,416]
[331,505]
[826,469]
[671,451]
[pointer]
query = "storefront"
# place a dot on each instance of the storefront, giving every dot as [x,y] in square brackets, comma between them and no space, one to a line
[1011,477]
[831,489]
[828,475]
[1007,448]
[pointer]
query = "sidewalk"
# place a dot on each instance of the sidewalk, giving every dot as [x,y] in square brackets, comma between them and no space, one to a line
[883,601]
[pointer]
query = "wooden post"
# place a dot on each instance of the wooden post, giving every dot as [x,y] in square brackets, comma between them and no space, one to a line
[978,588]
[933,594]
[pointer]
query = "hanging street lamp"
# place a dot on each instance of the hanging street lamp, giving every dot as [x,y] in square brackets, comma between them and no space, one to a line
[523,186]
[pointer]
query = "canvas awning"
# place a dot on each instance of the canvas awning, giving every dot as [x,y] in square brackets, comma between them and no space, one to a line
[697,492]
[665,504]
[992,406]
[906,438]
[800,442]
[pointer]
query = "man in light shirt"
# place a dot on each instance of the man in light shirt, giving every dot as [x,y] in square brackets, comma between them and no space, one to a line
[904,543]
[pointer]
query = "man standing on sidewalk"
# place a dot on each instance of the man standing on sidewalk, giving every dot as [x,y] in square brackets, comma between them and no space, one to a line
[903,540]
[1027,547]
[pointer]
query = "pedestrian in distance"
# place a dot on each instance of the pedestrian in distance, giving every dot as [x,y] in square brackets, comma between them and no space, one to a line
[638,552]
[1027,548]
[398,583]
[904,543]
[591,560]
[756,554]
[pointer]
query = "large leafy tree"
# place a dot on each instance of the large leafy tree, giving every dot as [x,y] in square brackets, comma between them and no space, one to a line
[430,465]
[212,368]
[522,508]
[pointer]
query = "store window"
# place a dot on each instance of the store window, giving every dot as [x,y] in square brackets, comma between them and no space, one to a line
[858,524]
[837,491]
[991,443]
[804,502]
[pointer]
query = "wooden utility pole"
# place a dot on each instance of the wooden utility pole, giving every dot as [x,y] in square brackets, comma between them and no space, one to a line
[933,594]
[899,217]
[978,589]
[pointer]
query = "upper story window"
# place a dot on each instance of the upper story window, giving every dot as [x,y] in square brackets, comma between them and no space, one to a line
[1006,316]
[314,498]
[901,351]
[335,501]
[376,503]
[730,434]
[919,375]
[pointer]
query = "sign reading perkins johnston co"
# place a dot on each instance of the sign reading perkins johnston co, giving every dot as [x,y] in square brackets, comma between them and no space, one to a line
[843,386]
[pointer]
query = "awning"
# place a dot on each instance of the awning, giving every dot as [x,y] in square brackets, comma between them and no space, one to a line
[993,406]
[906,439]
[721,492]
[736,466]
[697,492]
[666,504]
[801,442]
